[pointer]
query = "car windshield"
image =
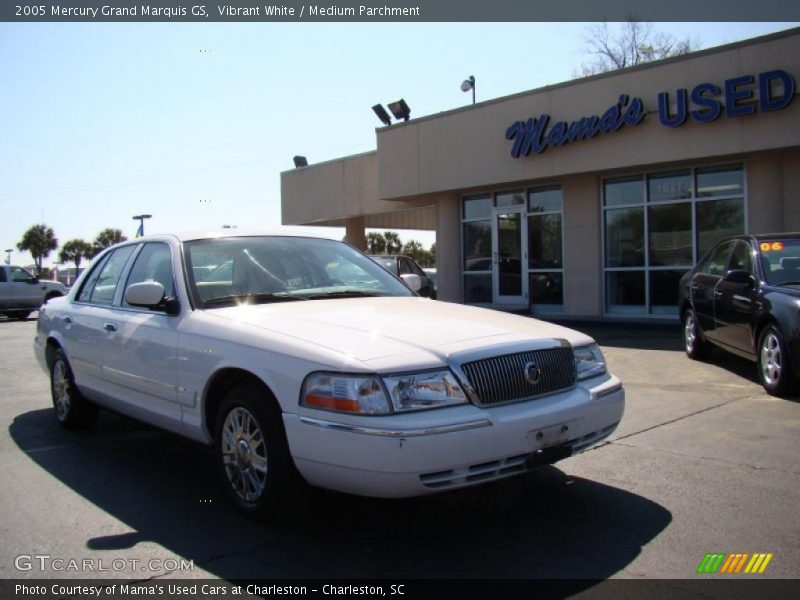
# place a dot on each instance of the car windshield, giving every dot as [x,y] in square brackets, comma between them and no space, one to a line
[780,260]
[261,269]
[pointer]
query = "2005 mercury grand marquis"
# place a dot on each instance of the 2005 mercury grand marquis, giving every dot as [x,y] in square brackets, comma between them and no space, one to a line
[300,358]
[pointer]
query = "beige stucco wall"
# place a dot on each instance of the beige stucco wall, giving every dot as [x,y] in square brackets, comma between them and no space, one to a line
[467,148]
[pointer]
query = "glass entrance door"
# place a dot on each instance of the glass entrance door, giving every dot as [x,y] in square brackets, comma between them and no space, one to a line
[510,256]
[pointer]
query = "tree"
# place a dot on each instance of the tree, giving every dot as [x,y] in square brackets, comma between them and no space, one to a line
[376,243]
[39,240]
[107,237]
[634,42]
[75,251]
[393,243]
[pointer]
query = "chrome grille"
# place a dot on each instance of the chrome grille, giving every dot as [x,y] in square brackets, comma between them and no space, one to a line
[502,379]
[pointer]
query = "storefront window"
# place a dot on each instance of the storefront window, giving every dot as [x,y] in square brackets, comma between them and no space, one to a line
[478,246]
[478,288]
[716,220]
[545,247]
[681,216]
[625,237]
[510,199]
[670,233]
[628,190]
[477,207]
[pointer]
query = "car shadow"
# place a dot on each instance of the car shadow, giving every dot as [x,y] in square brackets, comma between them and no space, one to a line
[545,524]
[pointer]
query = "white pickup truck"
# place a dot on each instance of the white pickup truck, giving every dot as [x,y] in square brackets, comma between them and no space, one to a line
[21,292]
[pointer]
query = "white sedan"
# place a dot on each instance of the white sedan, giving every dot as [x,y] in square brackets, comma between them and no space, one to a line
[299,358]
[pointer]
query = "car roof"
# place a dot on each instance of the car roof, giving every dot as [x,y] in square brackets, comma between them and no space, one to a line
[229,233]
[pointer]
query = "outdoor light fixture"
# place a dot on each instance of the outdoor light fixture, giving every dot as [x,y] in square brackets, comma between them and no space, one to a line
[400,110]
[469,84]
[300,161]
[382,114]
[8,258]
[140,218]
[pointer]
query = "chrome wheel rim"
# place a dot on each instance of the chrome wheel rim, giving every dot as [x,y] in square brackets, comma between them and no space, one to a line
[244,454]
[690,333]
[771,359]
[61,397]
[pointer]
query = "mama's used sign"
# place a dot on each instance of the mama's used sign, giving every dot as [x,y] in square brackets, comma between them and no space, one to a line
[705,103]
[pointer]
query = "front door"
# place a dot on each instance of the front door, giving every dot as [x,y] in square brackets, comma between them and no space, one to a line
[510,256]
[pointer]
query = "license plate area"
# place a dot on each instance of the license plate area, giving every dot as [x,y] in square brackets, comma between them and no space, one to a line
[547,456]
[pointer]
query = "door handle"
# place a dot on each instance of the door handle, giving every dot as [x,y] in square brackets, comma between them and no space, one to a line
[695,286]
[717,294]
[110,327]
[67,320]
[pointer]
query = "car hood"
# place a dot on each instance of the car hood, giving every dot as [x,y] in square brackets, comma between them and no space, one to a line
[371,330]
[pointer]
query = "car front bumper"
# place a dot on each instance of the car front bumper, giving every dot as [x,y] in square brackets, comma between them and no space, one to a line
[436,450]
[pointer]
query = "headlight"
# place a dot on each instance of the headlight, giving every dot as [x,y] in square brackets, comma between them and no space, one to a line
[345,393]
[589,361]
[365,395]
[416,391]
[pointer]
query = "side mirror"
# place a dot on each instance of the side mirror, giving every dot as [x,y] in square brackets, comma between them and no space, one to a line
[414,282]
[147,294]
[33,281]
[738,276]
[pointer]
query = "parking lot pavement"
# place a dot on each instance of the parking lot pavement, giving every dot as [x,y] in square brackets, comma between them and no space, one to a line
[704,461]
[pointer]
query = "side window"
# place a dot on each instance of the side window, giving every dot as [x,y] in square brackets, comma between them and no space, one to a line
[154,263]
[103,288]
[716,262]
[742,257]
[2,275]
[19,275]
[405,267]
[415,269]
[88,284]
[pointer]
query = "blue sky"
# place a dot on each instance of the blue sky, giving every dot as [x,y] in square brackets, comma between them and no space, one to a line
[194,122]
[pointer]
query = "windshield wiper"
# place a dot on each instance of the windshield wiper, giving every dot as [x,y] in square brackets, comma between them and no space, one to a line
[343,294]
[251,299]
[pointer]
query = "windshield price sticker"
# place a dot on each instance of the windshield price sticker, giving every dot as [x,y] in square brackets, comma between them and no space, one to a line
[771,246]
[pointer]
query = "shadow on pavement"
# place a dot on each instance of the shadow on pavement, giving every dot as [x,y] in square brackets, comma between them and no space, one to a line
[543,524]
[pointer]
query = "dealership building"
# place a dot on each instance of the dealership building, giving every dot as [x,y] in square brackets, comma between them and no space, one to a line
[586,199]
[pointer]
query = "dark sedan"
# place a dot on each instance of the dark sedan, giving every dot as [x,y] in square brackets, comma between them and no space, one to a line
[744,297]
[402,265]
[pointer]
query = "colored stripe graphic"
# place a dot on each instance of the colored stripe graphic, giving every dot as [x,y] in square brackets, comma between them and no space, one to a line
[734,563]
[758,563]
[711,562]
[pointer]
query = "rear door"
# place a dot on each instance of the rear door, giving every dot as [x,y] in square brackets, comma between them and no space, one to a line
[86,322]
[704,284]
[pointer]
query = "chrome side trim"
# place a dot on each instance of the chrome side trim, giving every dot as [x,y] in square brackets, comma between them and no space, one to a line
[395,432]
[141,380]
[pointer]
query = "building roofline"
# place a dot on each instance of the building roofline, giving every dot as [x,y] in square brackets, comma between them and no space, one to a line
[555,86]
[331,161]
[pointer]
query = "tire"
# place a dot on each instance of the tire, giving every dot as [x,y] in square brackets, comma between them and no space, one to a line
[693,343]
[73,411]
[252,453]
[774,370]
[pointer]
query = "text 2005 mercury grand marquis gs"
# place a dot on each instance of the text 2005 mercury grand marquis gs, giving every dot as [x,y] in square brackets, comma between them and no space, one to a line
[298,356]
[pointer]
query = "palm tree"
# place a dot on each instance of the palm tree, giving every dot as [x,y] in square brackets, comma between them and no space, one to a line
[76,250]
[376,243]
[107,237]
[39,240]
[393,243]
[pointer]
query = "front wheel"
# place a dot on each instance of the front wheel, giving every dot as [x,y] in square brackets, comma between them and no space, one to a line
[251,451]
[73,411]
[696,347]
[774,369]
